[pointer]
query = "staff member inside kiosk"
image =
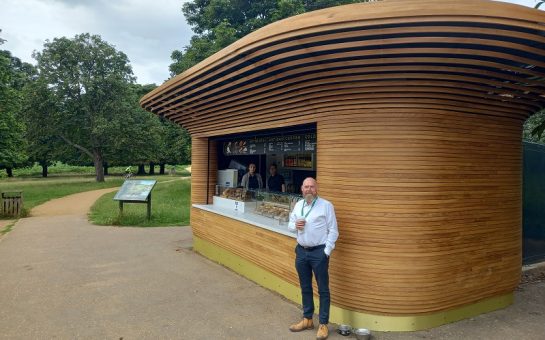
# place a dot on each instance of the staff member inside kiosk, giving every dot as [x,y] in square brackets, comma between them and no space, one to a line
[276,181]
[252,179]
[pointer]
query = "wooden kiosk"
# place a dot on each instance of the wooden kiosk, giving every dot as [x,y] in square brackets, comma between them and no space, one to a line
[417,107]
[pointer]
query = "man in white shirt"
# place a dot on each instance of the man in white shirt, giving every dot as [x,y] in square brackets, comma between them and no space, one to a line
[314,220]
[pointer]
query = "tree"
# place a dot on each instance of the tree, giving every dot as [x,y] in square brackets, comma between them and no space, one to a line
[14,74]
[533,128]
[218,23]
[39,109]
[175,145]
[89,81]
[138,133]
[11,142]
[537,122]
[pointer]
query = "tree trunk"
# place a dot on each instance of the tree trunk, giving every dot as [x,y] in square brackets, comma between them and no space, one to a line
[96,155]
[105,168]
[9,171]
[151,168]
[44,168]
[141,169]
[162,169]
[99,168]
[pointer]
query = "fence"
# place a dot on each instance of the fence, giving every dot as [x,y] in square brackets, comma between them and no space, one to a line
[533,203]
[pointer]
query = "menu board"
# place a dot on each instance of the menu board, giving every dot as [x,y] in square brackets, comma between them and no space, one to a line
[292,143]
[309,142]
[257,146]
[274,144]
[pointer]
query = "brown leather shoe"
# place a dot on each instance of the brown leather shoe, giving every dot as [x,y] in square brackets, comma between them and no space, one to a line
[323,332]
[302,325]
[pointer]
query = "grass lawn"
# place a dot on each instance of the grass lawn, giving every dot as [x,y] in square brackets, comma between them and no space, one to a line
[169,206]
[170,197]
[40,190]
[65,171]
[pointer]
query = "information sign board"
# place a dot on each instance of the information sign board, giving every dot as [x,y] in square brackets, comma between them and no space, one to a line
[135,190]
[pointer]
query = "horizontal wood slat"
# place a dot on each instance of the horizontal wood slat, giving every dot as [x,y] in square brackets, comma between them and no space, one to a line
[419,110]
[422,240]
[269,250]
[424,224]
[199,172]
[483,64]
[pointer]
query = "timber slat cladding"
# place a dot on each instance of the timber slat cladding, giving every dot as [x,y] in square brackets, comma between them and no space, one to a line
[452,239]
[212,169]
[272,251]
[199,166]
[481,56]
[419,108]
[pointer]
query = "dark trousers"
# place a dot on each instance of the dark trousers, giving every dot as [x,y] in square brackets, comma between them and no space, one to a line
[307,262]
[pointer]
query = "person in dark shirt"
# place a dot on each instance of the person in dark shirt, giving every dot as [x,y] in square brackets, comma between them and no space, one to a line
[252,179]
[275,182]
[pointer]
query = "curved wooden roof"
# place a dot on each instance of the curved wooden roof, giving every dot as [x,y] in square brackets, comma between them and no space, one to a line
[471,56]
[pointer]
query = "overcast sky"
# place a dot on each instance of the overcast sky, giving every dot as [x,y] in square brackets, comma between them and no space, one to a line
[146,30]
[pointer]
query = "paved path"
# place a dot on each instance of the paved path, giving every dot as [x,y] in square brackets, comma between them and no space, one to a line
[5,223]
[63,278]
[76,204]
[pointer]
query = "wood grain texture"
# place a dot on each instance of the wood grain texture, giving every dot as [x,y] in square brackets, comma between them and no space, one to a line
[429,213]
[486,57]
[199,172]
[269,250]
[419,108]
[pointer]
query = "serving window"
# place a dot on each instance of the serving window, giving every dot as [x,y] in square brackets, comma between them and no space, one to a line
[292,150]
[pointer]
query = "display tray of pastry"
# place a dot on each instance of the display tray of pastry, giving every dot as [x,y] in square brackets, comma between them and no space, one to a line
[279,198]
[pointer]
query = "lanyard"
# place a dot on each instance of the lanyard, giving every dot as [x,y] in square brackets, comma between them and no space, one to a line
[308,212]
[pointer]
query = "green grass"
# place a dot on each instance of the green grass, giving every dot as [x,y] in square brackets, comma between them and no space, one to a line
[65,180]
[64,170]
[169,207]
[7,229]
[40,190]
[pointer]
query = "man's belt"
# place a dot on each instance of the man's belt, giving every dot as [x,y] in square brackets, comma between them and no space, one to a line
[321,246]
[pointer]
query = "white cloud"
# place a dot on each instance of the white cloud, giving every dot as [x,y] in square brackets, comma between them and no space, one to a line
[147,31]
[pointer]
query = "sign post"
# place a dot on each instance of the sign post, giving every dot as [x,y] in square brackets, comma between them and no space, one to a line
[135,191]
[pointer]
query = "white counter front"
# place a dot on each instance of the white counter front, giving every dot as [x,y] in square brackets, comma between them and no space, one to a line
[249,217]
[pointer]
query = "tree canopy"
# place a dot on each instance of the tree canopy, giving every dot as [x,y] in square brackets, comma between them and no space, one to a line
[218,23]
[80,105]
[14,75]
[89,84]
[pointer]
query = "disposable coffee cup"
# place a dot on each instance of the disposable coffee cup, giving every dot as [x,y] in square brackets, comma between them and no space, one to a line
[297,221]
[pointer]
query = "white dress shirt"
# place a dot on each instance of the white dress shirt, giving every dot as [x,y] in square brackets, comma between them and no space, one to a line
[320,226]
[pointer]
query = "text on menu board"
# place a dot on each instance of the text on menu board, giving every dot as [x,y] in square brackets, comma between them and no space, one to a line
[264,145]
